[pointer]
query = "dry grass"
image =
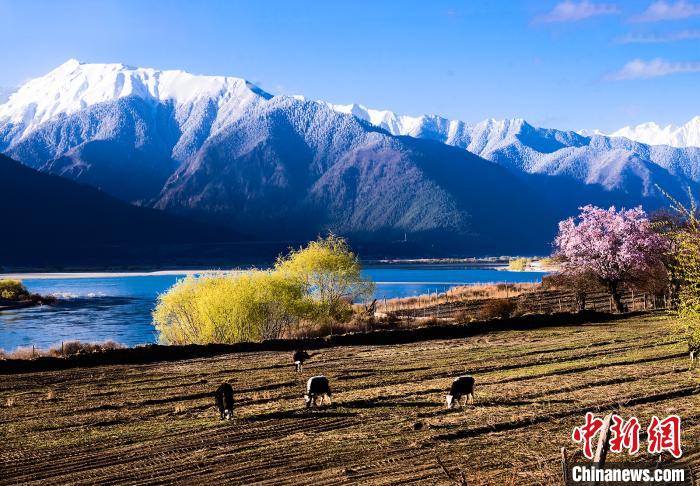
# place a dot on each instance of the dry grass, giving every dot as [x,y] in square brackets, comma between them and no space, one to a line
[457,294]
[387,424]
[66,349]
[70,348]
[22,353]
[498,309]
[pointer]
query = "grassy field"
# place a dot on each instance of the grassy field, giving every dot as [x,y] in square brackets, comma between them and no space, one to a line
[388,424]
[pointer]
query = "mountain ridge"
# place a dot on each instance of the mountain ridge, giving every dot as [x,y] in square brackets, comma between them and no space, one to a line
[222,151]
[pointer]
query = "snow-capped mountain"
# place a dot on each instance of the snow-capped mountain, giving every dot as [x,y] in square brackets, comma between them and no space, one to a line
[73,87]
[614,162]
[650,133]
[98,123]
[220,149]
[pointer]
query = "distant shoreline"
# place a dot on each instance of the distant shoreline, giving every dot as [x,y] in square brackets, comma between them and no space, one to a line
[66,275]
[485,265]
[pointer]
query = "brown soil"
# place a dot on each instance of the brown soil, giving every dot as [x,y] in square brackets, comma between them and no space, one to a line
[156,423]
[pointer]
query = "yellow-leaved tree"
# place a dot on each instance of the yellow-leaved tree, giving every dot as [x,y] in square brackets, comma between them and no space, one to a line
[330,274]
[683,229]
[316,284]
[229,308]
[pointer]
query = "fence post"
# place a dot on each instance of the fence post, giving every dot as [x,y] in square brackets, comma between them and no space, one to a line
[632,300]
[564,466]
[601,452]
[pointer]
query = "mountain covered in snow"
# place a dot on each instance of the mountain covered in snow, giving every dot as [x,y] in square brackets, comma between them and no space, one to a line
[650,133]
[612,162]
[221,150]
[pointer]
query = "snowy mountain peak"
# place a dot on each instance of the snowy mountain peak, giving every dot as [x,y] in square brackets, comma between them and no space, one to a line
[74,86]
[651,133]
[69,66]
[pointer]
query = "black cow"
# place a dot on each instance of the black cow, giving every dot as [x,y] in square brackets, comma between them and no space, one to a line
[224,401]
[462,386]
[299,357]
[316,387]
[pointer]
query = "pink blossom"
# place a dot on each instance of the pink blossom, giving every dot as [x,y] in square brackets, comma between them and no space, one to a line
[608,243]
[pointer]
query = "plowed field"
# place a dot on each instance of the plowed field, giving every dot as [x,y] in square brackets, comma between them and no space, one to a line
[156,423]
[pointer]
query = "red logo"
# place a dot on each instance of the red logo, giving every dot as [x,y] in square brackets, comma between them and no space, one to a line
[586,432]
[665,435]
[624,435]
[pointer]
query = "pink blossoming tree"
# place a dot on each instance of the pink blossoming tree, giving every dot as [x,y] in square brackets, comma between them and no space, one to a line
[612,246]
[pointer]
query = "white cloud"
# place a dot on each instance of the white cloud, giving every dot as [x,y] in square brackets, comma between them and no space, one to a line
[663,10]
[682,35]
[639,69]
[570,11]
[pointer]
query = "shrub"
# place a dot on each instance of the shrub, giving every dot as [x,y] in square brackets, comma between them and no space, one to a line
[229,308]
[498,308]
[518,264]
[13,290]
[21,353]
[71,348]
[463,316]
[684,265]
[309,291]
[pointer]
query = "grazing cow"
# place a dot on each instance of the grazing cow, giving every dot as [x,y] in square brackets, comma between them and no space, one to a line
[299,357]
[224,401]
[316,387]
[462,386]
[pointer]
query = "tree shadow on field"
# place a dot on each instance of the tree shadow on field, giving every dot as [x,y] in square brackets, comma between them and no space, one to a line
[386,403]
[501,403]
[354,377]
[299,414]
[273,386]
[477,404]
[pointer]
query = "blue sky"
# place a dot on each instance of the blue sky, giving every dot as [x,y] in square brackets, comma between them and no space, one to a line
[573,64]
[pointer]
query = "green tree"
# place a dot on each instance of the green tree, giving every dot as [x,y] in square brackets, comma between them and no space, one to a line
[330,273]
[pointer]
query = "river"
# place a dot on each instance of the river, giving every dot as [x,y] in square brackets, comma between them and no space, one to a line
[96,308]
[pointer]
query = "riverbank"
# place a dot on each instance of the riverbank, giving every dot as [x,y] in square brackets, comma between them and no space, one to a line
[14,295]
[154,352]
